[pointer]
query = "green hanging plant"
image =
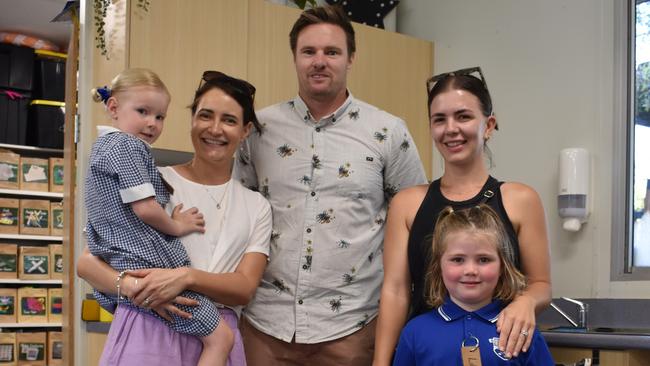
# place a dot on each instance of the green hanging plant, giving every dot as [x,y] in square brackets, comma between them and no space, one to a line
[100,35]
[143,4]
[101,7]
[302,3]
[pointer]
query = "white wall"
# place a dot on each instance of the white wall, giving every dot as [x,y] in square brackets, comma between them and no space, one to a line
[550,69]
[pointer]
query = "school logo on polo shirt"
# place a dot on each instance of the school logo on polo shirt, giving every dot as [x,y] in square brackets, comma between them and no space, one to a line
[496,350]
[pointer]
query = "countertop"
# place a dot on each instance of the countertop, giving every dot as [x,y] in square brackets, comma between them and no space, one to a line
[621,339]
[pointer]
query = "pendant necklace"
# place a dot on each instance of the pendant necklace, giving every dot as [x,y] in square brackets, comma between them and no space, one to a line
[223,195]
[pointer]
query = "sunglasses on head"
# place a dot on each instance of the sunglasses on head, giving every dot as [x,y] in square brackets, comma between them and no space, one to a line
[468,71]
[214,77]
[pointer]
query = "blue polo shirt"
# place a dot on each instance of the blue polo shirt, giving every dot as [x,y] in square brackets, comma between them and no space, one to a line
[435,338]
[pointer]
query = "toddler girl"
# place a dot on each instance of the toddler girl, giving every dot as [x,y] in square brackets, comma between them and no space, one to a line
[124,195]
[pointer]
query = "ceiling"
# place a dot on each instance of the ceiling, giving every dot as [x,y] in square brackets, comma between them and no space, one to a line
[32,17]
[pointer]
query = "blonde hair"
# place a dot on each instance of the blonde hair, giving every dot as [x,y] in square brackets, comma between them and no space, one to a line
[127,79]
[478,219]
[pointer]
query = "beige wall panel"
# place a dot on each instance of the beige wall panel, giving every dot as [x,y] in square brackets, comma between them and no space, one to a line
[96,343]
[270,62]
[390,71]
[105,67]
[179,42]
[382,74]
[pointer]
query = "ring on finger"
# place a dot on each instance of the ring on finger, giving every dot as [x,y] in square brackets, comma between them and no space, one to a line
[524,333]
[147,301]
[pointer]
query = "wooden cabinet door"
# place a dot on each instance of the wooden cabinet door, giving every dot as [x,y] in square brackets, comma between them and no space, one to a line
[180,39]
[389,71]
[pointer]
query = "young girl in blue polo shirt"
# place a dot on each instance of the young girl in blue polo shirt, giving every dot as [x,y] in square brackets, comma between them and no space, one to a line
[124,195]
[471,278]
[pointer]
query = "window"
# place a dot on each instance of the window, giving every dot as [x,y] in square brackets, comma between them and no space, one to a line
[641,151]
[632,193]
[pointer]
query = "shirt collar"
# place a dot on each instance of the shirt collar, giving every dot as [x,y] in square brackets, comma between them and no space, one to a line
[449,311]
[103,130]
[301,109]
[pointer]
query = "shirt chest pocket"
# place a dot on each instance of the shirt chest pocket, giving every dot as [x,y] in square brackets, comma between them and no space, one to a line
[359,178]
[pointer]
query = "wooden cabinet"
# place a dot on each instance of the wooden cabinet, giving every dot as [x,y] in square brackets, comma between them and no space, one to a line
[206,35]
[566,355]
[250,39]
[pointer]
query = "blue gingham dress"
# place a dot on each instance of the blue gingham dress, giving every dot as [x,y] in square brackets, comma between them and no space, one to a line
[122,171]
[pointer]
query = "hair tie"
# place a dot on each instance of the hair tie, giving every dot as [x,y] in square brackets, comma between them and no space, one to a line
[104,92]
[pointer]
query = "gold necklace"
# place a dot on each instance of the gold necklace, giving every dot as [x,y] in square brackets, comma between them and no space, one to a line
[223,195]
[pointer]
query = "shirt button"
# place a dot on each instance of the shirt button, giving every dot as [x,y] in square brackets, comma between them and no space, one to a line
[300,301]
[309,230]
[313,194]
[317,129]
[304,266]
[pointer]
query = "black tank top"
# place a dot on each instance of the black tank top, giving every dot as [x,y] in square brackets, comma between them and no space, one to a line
[420,236]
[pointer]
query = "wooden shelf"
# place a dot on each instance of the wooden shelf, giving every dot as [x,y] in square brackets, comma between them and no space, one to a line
[5,281]
[31,149]
[30,325]
[31,237]
[20,192]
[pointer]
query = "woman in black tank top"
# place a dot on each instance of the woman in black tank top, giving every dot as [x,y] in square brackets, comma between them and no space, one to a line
[461,122]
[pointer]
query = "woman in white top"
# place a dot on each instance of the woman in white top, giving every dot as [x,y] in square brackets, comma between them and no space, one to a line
[227,260]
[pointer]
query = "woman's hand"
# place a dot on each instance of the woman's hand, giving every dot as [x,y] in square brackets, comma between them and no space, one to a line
[158,286]
[516,326]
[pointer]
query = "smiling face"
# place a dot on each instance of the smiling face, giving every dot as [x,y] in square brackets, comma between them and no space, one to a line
[470,267]
[322,62]
[458,127]
[139,111]
[218,127]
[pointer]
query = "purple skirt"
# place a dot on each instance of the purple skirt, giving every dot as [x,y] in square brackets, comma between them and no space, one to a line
[137,338]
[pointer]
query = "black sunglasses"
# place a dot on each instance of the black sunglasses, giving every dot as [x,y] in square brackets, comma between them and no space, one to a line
[213,77]
[468,71]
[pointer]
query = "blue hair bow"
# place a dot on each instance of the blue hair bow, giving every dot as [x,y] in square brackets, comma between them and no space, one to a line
[105,93]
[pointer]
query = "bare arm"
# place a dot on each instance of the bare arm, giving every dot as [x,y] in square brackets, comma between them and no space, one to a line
[179,224]
[395,290]
[234,288]
[526,212]
[97,273]
[102,277]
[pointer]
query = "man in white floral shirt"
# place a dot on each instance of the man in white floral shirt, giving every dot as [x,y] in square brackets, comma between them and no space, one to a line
[328,163]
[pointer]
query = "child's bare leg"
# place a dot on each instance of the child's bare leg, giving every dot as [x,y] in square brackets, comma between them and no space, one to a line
[217,346]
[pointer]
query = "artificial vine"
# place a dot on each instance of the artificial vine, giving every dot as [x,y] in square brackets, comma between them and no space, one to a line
[302,3]
[100,14]
[101,7]
[143,4]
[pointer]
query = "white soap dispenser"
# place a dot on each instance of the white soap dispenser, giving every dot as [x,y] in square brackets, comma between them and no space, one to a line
[573,196]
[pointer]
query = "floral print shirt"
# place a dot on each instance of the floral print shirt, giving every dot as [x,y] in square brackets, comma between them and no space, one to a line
[329,183]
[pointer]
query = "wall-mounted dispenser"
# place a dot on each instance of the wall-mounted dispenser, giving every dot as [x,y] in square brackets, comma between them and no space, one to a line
[573,196]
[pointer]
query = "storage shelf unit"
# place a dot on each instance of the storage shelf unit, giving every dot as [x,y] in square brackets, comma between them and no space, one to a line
[33,149]
[30,325]
[20,192]
[30,240]
[6,281]
[31,237]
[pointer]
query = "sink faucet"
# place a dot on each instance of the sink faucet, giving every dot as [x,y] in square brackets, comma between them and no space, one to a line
[582,312]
